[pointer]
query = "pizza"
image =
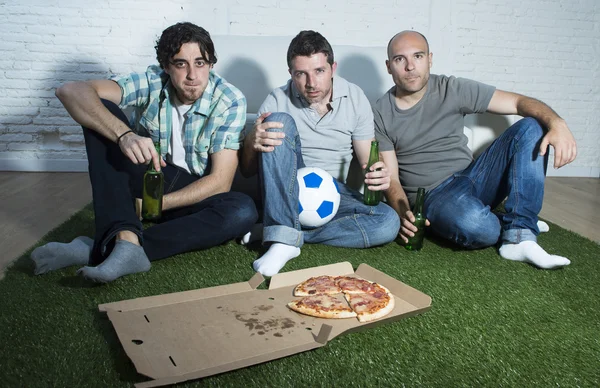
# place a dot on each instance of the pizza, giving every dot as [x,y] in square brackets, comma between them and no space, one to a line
[323,306]
[352,285]
[371,306]
[318,285]
[363,299]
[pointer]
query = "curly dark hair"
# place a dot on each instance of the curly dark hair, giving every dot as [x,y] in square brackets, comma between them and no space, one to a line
[174,37]
[308,43]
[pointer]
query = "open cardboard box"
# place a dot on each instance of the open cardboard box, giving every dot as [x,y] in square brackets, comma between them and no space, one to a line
[192,334]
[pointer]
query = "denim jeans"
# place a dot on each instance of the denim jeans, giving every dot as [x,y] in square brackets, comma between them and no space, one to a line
[355,224]
[116,182]
[460,208]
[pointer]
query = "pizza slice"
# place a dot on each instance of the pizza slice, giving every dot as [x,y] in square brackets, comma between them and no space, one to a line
[371,306]
[318,285]
[323,306]
[352,285]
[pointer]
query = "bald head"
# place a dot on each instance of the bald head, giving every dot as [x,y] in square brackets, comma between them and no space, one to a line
[407,34]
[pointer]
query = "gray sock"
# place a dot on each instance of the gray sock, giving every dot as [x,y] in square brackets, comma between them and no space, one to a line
[125,259]
[56,255]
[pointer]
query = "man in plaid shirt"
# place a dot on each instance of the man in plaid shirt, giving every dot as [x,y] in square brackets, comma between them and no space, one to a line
[197,118]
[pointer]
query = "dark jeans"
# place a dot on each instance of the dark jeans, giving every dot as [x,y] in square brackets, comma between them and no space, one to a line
[116,182]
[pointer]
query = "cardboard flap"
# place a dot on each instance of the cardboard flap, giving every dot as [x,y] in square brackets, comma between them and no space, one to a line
[135,338]
[292,278]
[324,334]
[201,337]
[184,296]
[193,334]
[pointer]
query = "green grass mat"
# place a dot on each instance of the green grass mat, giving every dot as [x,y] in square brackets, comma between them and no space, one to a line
[492,323]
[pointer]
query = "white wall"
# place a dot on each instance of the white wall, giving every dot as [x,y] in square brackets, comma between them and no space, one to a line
[548,49]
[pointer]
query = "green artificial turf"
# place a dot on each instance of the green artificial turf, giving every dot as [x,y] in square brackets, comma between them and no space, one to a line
[493,322]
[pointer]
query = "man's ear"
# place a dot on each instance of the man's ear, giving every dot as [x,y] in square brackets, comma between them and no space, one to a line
[290,71]
[430,60]
[333,68]
[387,65]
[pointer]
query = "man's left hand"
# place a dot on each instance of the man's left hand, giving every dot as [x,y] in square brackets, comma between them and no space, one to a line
[560,137]
[378,177]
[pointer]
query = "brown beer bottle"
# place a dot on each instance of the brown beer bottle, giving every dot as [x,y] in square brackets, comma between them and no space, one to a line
[372,198]
[152,193]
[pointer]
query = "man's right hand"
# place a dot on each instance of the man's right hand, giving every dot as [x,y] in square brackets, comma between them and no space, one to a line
[263,140]
[140,150]
[407,228]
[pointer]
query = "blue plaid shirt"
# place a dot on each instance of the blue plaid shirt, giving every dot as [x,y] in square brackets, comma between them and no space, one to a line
[213,123]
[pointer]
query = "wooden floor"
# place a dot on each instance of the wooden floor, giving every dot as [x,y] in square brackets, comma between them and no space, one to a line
[35,203]
[574,204]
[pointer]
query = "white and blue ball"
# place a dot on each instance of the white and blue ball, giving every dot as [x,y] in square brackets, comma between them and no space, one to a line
[319,197]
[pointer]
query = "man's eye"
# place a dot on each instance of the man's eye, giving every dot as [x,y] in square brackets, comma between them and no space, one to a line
[320,70]
[200,63]
[398,59]
[180,65]
[419,56]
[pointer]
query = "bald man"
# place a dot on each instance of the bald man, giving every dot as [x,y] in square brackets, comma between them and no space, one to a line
[419,124]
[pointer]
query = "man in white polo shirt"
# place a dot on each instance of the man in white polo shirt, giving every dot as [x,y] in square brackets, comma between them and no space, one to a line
[320,120]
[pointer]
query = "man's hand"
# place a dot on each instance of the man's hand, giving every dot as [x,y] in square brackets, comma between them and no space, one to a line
[378,177]
[407,227]
[560,137]
[140,150]
[261,139]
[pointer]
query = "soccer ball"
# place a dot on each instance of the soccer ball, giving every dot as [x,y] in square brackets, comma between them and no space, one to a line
[319,197]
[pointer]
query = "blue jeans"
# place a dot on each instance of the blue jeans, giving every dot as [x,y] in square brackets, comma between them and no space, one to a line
[116,182]
[460,208]
[355,224]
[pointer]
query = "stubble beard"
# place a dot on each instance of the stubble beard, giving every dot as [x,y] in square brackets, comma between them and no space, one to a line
[407,88]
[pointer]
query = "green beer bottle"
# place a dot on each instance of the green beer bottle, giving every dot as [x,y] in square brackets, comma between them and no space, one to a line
[415,243]
[153,191]
[372,198]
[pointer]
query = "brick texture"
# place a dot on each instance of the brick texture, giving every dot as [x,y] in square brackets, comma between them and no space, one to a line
[548,49]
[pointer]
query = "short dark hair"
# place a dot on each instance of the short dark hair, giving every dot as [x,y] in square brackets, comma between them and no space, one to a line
[405,31]
[174,37]
[308,43]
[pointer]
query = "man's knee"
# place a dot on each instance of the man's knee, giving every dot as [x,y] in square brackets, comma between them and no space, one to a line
[243,210]
[112,108]
[477,229]
[115,110]
[290,144]
[529,129]
[467,223]
[289,125]
[388,226]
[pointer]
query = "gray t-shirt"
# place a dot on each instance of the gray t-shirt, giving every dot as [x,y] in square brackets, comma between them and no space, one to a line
[326,141]
[429,137]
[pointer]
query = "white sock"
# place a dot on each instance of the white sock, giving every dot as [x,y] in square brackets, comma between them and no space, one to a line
[275,258]
[531,252]
[543,227]
[255,234]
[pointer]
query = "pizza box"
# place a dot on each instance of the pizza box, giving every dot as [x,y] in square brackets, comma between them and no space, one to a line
[188,335]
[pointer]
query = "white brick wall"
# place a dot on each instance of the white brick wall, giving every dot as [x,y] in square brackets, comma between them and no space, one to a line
[548,49]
